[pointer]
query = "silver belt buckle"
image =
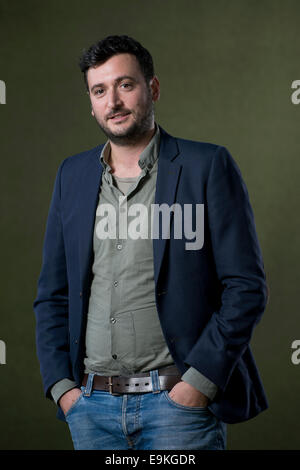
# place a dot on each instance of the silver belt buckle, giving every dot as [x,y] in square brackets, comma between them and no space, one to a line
[110,387]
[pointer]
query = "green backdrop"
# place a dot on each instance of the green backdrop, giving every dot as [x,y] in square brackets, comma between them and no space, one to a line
[226,69]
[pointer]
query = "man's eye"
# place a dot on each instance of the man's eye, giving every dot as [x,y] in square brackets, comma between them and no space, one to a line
[126,85]
[99,92]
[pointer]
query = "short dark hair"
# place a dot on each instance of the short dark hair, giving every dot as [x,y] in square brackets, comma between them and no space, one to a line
[103,50]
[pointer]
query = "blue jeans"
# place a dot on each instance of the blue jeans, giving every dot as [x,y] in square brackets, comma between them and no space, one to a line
[141,421]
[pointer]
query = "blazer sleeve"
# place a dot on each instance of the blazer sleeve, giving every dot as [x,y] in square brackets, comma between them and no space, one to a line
[51,303]
[240,270]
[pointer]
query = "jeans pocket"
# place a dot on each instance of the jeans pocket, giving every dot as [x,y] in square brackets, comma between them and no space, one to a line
[74,404]
[184,407]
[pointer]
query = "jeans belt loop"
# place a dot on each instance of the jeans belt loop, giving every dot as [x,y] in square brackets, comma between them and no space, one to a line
[89,385]
[155,381]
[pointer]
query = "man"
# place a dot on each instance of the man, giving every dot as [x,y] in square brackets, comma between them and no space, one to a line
[143,340]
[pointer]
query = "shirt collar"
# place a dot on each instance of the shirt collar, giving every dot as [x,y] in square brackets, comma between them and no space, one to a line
[147,158]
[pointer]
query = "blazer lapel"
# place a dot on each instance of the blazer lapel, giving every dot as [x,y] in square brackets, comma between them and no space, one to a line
[167,178]
[88,198]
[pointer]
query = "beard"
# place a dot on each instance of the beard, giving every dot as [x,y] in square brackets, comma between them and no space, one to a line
[142,123]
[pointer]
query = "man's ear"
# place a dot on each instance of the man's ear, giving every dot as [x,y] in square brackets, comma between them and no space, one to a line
[155,88]
[92,111]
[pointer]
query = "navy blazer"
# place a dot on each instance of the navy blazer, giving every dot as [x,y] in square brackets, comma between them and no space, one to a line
[208,300]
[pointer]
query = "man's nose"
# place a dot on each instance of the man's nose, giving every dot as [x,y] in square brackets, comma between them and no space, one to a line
[113,99]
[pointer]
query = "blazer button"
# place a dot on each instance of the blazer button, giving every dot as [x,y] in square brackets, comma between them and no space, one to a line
[76,341]
[80,294]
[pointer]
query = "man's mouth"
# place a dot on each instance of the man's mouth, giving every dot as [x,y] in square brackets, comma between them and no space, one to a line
[119,116]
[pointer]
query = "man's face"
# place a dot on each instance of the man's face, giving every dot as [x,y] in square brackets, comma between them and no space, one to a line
[122,101]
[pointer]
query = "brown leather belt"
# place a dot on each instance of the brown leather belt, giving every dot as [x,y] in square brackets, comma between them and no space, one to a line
[138,383]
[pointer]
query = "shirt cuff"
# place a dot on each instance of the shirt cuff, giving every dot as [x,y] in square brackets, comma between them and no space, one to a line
[203,384]
[62,387]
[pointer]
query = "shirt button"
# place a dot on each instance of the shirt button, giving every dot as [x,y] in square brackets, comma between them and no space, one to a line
[113,320]
[114,356]
[116,283]
[119,247]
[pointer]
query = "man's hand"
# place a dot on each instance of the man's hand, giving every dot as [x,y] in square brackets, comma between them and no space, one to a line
[68,398]
[187,395]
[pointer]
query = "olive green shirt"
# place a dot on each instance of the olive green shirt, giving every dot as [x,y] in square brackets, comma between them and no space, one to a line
[124,334]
